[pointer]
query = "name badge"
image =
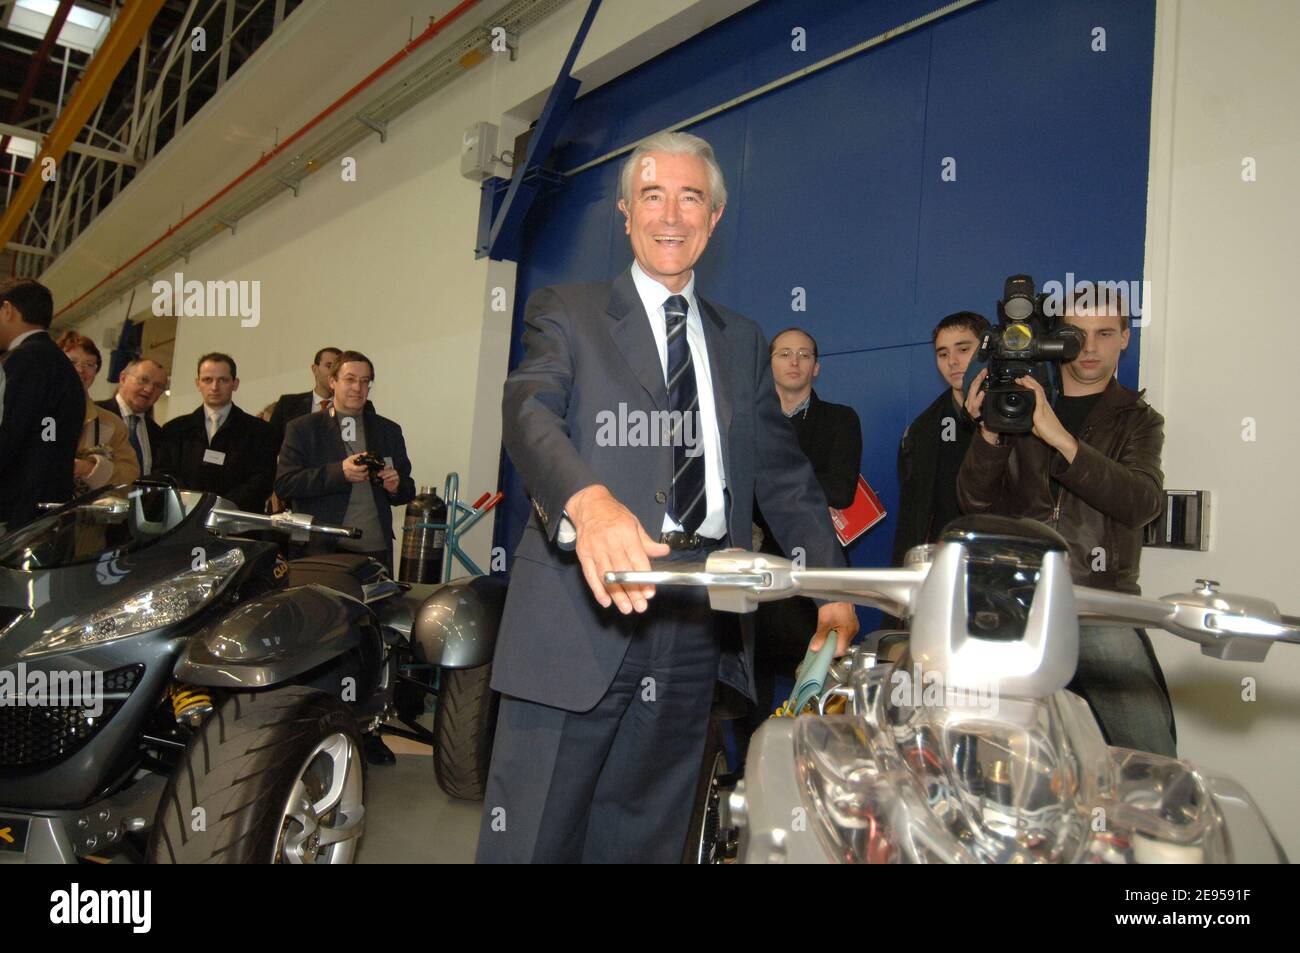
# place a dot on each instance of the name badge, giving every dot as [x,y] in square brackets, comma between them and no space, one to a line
[214,456]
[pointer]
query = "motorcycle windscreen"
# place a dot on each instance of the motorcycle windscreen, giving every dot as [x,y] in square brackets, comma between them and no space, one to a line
[114,519]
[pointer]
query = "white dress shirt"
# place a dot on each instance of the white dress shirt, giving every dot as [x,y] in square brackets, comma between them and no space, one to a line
[653,295]
[141,434]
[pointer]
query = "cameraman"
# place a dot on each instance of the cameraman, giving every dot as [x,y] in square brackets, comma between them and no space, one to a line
[1090,470]
[322,468]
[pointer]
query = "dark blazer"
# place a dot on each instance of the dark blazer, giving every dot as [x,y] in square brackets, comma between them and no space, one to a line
[246,474]
[587,349]
[44,405]
[309,474]
[289,408]
[918,462]
[830,435]
[151,427]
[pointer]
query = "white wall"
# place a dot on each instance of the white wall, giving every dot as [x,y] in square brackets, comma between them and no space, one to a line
[1222,255]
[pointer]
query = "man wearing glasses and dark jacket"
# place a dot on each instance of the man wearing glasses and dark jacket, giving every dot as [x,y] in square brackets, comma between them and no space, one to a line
[322,468]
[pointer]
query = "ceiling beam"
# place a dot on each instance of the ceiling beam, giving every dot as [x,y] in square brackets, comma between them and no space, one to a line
[37,65]
[18,132]
[113,53]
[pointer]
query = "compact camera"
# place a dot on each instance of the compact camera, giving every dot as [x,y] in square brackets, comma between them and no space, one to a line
[373,464]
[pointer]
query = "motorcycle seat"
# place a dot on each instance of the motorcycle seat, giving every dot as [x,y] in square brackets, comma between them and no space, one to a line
[347,573]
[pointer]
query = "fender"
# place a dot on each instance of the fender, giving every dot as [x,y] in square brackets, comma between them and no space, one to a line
[273,638]
[451,625]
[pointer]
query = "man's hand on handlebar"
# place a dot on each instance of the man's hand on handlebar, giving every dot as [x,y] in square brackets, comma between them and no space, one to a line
[611,539]
[841,617]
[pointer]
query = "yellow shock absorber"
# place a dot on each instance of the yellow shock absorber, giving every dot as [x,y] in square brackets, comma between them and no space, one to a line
[190,704]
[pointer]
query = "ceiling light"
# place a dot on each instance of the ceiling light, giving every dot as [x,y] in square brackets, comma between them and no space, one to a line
[84,29]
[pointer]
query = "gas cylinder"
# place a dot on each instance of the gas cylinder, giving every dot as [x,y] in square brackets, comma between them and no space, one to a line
[422,546]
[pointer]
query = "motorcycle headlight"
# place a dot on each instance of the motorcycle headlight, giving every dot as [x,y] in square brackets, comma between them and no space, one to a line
[159,605]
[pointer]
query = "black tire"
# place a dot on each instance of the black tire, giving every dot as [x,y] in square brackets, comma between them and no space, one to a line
[463,724]
[240,768]
[703,845]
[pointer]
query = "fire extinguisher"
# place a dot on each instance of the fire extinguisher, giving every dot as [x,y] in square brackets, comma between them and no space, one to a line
[422,546]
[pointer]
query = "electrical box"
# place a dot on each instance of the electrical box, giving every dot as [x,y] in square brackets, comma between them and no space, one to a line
[478,151]
[1183,524]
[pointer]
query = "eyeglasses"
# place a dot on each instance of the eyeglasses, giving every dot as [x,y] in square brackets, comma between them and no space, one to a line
[86,365]
[785,353]
[350,380]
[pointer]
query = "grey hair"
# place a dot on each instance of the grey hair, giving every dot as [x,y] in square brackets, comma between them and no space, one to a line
[133,365]
[676,144]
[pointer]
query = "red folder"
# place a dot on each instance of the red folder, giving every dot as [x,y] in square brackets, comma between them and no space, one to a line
[859,516]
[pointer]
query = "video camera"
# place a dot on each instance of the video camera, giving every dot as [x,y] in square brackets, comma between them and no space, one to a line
[1025,343]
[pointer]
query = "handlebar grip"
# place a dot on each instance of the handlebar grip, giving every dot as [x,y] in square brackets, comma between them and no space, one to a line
[325,529]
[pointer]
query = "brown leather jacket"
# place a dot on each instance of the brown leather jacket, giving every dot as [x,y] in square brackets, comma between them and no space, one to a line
[1106,496]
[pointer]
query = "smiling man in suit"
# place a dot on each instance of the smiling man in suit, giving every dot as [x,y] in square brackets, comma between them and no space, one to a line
[607,690]
[42,409]
[139,386]
[220,448]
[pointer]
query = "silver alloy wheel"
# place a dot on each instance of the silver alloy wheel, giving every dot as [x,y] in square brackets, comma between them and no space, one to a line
[324,815]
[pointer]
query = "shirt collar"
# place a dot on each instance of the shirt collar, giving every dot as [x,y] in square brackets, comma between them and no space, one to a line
[653,294]
[802,408]
[220,413]
[14,344]
[125,408]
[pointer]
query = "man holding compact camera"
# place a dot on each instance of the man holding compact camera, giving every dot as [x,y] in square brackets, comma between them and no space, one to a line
[1087,465]
[348,465]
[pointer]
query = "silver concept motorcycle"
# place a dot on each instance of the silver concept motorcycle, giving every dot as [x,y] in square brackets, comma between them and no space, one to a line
[961,744]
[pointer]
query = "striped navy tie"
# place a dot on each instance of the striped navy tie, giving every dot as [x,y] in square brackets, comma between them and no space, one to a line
[687,503]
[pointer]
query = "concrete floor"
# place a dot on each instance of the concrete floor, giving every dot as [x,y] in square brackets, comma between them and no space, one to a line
[409,820]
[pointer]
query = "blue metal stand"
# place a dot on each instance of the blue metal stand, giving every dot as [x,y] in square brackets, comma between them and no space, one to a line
[460,519]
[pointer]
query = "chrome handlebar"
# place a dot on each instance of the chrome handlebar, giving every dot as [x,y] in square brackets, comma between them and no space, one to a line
[299,526]
[1233,627]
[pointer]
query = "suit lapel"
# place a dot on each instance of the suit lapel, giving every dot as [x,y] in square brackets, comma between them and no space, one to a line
[634,338]
[719,364]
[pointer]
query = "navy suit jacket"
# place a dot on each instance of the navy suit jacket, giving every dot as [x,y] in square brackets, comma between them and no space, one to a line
[244,477]
[587,349]
[309,474]
[44,405]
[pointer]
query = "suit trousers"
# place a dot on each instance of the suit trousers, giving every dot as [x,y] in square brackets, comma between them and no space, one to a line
[614,784]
